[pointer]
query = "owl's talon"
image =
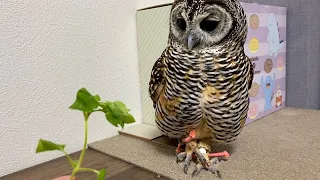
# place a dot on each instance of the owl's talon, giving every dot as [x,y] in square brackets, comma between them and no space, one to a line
[197,170]
[218,174]
[200,152]
[211,167]
[188,158]
[186,164]
[185,168]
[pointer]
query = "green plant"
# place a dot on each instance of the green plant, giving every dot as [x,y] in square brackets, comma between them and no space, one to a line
[115,112]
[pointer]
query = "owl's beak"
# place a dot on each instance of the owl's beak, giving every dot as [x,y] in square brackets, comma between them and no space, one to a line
[193,40]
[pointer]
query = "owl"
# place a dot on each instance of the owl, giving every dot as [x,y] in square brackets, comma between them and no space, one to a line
[199,85]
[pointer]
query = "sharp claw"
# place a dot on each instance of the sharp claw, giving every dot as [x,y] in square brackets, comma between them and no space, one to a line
[198,169]
[185,168]
[203,157]
[209,168]
[219,174]
[187,162]
[195,172]
[213,169]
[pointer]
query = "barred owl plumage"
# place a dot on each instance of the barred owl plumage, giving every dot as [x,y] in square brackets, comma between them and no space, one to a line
[202,78]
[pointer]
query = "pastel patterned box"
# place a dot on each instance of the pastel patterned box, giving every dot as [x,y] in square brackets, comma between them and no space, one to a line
[265,45]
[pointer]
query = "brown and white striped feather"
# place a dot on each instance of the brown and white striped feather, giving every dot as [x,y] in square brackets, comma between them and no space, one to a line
[205,92]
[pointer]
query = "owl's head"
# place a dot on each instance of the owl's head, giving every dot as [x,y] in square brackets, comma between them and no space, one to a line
[200,24]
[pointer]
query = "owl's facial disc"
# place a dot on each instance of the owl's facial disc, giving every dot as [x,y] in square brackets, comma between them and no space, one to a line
[201,29]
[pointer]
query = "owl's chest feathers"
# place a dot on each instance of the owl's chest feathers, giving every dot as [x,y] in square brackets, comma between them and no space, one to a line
[204,92]
[201,76]
[198,86]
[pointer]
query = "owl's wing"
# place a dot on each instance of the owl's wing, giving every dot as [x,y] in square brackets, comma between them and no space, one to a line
[251,73]
[157,80]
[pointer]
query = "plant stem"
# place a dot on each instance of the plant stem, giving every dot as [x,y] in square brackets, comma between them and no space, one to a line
[86,116]
[88,169]
[98,110]
[83,170]
[69,159]
[83,152]
[73,174]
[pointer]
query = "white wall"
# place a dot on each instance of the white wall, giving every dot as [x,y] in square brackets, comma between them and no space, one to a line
[49,50]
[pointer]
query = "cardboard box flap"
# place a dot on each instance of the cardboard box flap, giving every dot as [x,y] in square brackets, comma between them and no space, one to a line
[149,4]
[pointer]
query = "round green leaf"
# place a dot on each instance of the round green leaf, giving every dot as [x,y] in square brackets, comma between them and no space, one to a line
[113,120]
[128,119]
[114,110]
[121,106]
[85,101]
[117,113]
[97,98]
